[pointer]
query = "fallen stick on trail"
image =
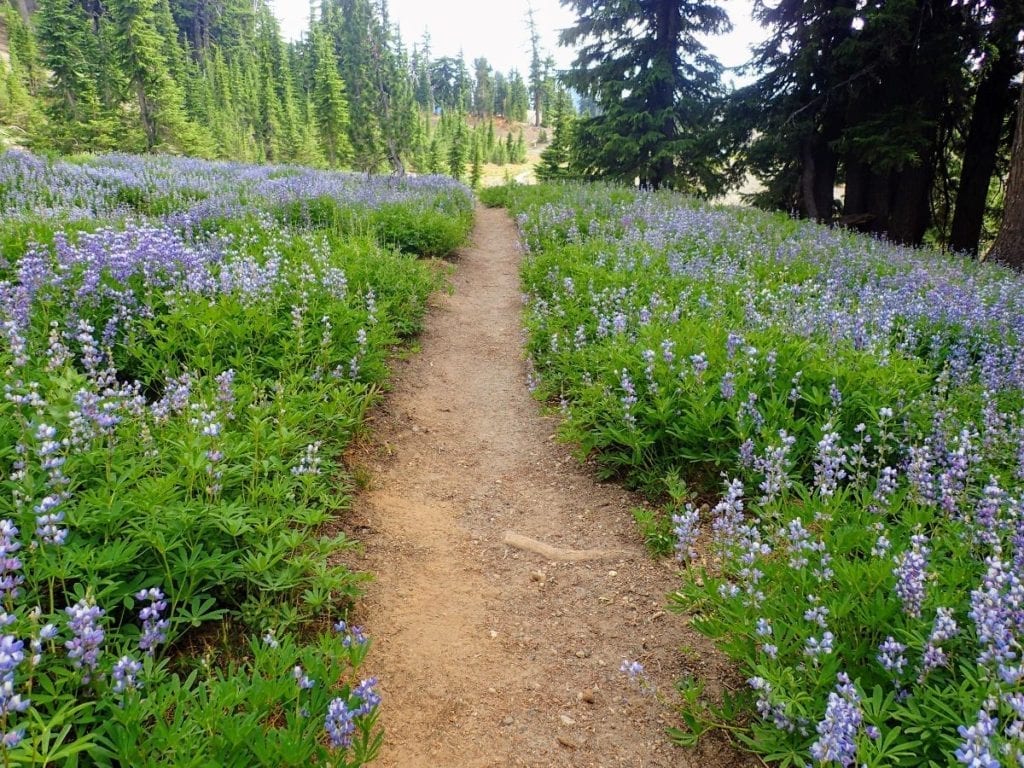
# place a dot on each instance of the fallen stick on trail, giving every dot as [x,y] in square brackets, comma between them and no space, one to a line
[557,554]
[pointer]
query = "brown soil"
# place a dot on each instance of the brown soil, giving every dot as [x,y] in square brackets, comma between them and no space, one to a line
[488,653]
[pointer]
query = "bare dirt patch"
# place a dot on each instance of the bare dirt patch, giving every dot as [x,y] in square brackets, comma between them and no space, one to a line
[492,652]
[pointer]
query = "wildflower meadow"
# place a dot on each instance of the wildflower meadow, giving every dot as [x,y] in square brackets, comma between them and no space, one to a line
[836,426]
[188,348]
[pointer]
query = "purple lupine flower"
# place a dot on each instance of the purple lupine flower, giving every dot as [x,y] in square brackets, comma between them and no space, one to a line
[798,543]
[351,635]
[727,515]
[987,513]
[816,614]
[890,655]
[225,391]
[774,465]
[885,487]
[12,654]
[154,626]
[815,648]
[911,573]
[125,675]
[368,696]
[686,527]
[837,731]
[84,646]
[748,454]
[629,398]
[49,528]
[309,463]
[728,385]
[699,362]
[767,707]
[11,739]
[302,679]
[977,749]
[828,465]
[340,723]
[920,473]
[732,343]
[11,577]
[995,610]
[943,629]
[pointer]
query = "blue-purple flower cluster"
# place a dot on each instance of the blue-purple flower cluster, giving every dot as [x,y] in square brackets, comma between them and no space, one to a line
[184,193]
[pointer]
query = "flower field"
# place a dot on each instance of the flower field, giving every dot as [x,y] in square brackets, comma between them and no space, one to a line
[188,348]
[836,426]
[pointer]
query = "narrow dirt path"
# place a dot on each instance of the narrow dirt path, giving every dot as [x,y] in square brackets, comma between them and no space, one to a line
[491,654]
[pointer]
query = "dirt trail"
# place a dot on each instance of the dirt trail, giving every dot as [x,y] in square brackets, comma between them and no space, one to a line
[490,654]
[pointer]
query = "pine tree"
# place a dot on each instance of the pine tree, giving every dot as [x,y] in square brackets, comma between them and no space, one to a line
[556,157]
[457,153]
[536,67]
[518,98]
[355,30]
[434,163]
[655,83]
[330,104]
[483,93]
[158,97]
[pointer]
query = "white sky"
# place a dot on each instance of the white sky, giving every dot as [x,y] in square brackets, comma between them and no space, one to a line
[497,28]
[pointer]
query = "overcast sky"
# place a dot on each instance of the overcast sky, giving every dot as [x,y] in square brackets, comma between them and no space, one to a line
[496,29]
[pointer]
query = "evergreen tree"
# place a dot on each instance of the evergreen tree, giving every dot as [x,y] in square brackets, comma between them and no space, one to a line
[556,157]
[500,94]
[159,99]
[998,23]
[656,84]
[434,163]
[477,171]
[330,104]
[536,67]
[355,31]
[77,119]
[421,67]
[483,93]
[457,152]
[518,98]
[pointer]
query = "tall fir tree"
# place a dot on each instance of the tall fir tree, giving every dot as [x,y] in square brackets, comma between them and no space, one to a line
[536,66]
[556,158]
[656,85]
[330,103]
[159,99]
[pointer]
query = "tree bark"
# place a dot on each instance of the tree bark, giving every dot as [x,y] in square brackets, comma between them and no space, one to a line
[993,102]
[25,8]
[1009,246]
[818,178]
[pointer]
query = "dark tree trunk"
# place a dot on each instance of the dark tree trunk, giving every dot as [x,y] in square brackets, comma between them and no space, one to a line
[992,103]
[662,96]
[25,8]
[818,178]
[1009,246]
[910,213]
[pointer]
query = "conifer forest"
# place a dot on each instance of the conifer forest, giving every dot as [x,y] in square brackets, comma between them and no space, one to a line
[365,402]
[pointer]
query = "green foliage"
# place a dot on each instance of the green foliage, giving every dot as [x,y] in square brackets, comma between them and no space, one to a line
[556,158]
[330,104]
[655,84]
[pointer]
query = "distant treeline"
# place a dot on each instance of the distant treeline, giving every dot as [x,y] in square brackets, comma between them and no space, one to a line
[216,79]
